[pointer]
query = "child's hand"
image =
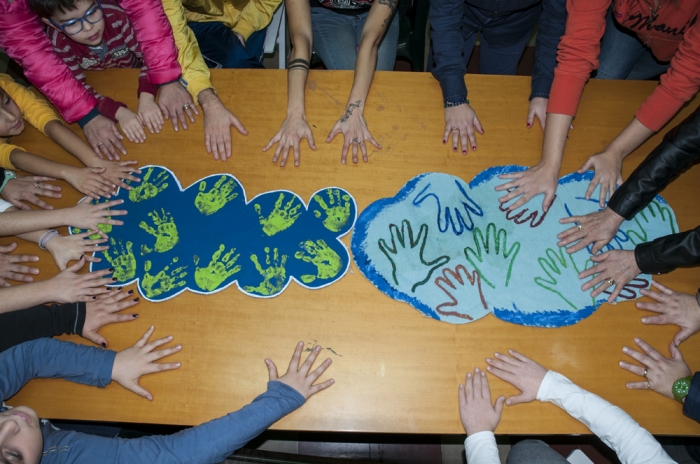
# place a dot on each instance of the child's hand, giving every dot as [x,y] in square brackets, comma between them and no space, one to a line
[132,363]
[85,215]
[102,311]
[116,171]
[131,124]
[521,372]
[90,182]
[10,269]
[73,247]
[475,408]
[300,379]
[70,287]
[150,113]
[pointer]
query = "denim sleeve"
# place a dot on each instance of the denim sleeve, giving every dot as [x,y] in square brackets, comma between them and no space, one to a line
[551,29]
[447,43]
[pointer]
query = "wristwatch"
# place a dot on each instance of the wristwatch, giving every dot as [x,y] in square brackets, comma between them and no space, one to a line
[680,388]
[8,176]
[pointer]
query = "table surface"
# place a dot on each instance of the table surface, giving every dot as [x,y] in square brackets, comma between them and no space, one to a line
[396,371]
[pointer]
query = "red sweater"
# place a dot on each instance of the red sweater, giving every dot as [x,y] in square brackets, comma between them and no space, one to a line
[669,32]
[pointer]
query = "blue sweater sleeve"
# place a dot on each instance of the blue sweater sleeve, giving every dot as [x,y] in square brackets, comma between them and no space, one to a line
[691,407]
[208,443]
[49,358]
[552,27]
[447,42]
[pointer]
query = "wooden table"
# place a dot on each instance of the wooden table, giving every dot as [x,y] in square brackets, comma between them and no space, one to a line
[396,371]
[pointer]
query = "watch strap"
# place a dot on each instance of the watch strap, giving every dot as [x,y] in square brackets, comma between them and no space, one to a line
[680,388]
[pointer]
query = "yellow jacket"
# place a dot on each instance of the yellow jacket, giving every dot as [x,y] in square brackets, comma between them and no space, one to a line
[243,16]
[35,110]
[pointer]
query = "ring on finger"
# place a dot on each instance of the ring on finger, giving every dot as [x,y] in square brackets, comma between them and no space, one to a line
[185,106]
[579,227]
[646,370]
[648,385]
[354,140]
[100,144]
[610,281]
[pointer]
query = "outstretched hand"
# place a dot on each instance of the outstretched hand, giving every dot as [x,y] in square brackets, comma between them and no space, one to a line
[462,121]
[608,174]
[353,126]
[100,312]
[10,269]
[299,378]
[475,408]
[217,125]
[660,372]
[598,228]
[521,372]
[526,184]
[29,188]
[673,307]
[293,129]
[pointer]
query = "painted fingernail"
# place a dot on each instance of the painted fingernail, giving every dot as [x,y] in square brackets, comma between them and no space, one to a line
[104,345]
[474,147]
[130,292]
[94,297]
[111,269]
[136,316]
[464,152]
[444,141]
[119,288]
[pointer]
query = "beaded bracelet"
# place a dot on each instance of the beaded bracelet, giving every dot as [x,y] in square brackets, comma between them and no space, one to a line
[48,235]
[680,388]
[451,104]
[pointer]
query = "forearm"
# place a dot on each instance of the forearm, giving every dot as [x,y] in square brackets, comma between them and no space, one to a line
[629,139]
[24,296]
[40,321]
[297,77]
[667,253]
[556,131]
[34,164]
[364,73]
[70,142]
[21,222]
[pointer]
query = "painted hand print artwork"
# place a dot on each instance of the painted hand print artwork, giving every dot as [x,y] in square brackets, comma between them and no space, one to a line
[207,236]
[452,251]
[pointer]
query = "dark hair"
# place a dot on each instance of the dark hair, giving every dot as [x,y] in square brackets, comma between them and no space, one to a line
[48,8]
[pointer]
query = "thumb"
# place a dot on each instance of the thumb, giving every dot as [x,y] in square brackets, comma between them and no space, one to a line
[8,248]
[548,200]
[238,125]
[271,369]
[530,117]
[95,338]
[682,336]
[586,166]
[517,399]
[333,133]
[500,401]
[97,170]
[310,139]
[675,352]
[139,390]
[78,265]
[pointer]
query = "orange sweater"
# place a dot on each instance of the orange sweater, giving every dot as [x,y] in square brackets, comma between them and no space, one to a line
[670,32]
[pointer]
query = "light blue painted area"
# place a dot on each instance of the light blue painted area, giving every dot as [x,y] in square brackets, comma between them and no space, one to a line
[451,250]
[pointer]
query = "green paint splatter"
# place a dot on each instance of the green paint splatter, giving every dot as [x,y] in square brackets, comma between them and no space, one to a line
[147,189]
[327,261]
[121,259]
[145,250]
[281,217]
[274,275]
[163,281]
[210,277]
[212,201]
[338,213]
[166,233]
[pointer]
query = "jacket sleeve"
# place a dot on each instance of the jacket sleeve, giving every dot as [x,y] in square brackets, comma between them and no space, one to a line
[551,29]
[481,447]
[41,321]
[447,42]
[667,253]
[255,16]
[35,110]
[691,406]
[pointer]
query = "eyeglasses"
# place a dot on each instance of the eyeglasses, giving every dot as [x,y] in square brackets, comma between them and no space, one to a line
[74,26]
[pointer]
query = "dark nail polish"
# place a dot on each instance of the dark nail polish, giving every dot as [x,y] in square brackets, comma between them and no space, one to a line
[130,292]
[111,269]
[119,288]
[137,299]
[104,345]
[94,297]
[464,152]
[136,316]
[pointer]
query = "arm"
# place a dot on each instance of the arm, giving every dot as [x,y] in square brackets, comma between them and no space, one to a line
[667,253]
[691,405]
[40,321]
[255,16]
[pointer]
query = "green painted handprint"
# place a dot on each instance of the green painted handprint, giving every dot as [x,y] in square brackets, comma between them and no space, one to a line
[338,213]
[166,233]
[274,275]
[280,218]
[642,219]
[554,264]
[147,189]
[121,259]
[327,261]
[494,249]
[212,201]
[164,281]
[210,277]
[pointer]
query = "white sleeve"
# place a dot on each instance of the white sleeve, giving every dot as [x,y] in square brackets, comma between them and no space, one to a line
[481,448]
[5,205]
[632,443]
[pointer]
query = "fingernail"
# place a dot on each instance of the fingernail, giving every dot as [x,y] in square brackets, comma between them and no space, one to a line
[169,337]
[94,297]
[135,316]
[464,152]
[625,349]
[476,370]
[119,288]
[267,361]
[644,320]
[474,147]
[137,300]
[178,347]
[636,340]
[301,343]
[332,381]
[444,141]
[104,345]
[469,374]
[528,125]
[488,368]
[130,292]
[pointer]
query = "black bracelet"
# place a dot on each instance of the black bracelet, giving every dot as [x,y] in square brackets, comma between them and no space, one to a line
[451,104]
[298,66]
[298,62]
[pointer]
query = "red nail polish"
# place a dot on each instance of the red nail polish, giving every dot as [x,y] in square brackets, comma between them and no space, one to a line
[474,147]
[528,125]
[104,345]
[464,152]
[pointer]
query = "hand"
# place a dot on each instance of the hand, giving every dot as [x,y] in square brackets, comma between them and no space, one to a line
[74,247]
[131,363]
[9,269]
[661,372]
[537,109]
[131,125]
[100,312]
[521,372]
[104,137]
[293,129]
[85,215]
[619,265]
[461,120]
[526,184]
[675,308]
[608,173]
[90,182]
[217,125]
[27,188]
[354,128]
[116,172]
[150,113]
[174,102]
[70,287]
[240,38]
[300,379]
[599,228]
[475,408]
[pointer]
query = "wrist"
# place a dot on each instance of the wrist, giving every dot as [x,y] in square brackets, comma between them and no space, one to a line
[614,217]
[206,98]
[680,388]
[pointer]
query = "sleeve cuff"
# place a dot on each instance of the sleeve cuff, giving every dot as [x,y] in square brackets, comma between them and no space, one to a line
[453,87]
[82,122]
[80,318]
[691,407]
[543,393]
[565,94]
[6,156]
[658,109]
[106,366]
[244,28]
[540,87]
[108,108]
[146,86]
[647,263]
[197,85]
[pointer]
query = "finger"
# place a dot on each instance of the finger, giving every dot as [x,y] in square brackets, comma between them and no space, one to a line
[144,339]
[524,199]
[469,388]
[181,116]
[164,353]
[22,206]
[517,399]
[310,139]
[501,365]
[297,154]
[570,219]
[285,154]
[477,126]
[8,248]
[500,401]
[455,139]
[17,268]
[485,388]
[271,369]
[446,134]
[21,258]
[682,336]
[239,126]
[656,320]
[333,133]
[318,372]
[294,362]
[477,383]
[221,145]
[227,146]
[354,151]
[638,385]
[588,165]
[322,386]
[139,390]
[615,293]
[96,338]
[111,149]
[174,121]
[306,365]
[648,349]
[344,153]
[158,342]
[603,195]
[36,201]
[472,137]
[636,355]
[636,370]
[675,352]
[78,265]
[19,277]
[464,141]
[661,288]
[519,356]
[364,151]
[374,142]
[103,151]
[591,187]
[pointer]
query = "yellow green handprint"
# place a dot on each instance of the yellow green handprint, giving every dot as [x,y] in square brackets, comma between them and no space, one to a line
[147,189]
[121,259]
[338,213]
[166,233]
[327,261]
[274,275]
[212,201]
[210,277]
[280,218]
[163,281]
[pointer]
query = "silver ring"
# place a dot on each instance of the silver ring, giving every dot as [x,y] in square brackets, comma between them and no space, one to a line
[649,385]
[100,144]
[646,370]
[610,281]
[37,185]
[185,106]
[579,227]
[354,140]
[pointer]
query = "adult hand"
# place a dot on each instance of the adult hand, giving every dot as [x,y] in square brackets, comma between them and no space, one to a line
[661,372]
[104,137]
[9,269]
[293,129]
[26,188]
[475,408]
[615,267]
[521,372]
[674,308]
[526,184]
[354,129]
[175,103]
[116,172]
[217,125]
[131,124]
[537,109]
[85,215]
[74,247]
[299,378]
[461,120]
[101,312]
[90,182]
[150,113]
[608,174]
[70,287]
[599,228]
[131,363]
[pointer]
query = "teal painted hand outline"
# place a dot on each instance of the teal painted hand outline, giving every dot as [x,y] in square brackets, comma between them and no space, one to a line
[493,249]
[327,261]
[274,275]
[209,278]
[147,189]
[163,281]
[216,198]
[166,233]
[642,219]
[280,218]
[554,264]
[409,253]
[338,213]
[121,259]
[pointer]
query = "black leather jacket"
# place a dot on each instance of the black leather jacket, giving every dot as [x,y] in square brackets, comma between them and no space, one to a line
[676,154]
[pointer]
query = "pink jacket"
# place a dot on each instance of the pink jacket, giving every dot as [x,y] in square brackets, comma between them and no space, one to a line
[23,38]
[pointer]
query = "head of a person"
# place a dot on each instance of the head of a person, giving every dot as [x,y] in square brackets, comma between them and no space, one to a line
[11,122]
[81,20]
[20,436]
